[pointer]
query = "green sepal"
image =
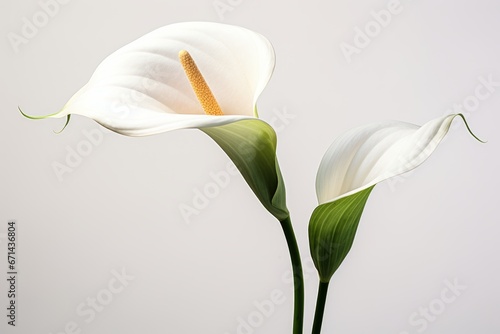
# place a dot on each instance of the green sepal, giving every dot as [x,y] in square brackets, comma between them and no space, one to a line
[332,228]
[68,117]
[251,145]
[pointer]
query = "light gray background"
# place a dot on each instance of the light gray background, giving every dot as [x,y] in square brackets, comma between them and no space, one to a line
[119,208]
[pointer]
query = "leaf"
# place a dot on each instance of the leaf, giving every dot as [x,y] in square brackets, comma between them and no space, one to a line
[332,228]
[251,145]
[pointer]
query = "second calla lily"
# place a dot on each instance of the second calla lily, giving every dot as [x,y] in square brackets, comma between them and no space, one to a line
[351,167]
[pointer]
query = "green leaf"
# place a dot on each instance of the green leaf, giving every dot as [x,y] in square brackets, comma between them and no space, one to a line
[332,228]
[251,145]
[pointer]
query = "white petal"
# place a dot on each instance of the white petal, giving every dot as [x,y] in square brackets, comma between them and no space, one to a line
[142,88]
[367,155]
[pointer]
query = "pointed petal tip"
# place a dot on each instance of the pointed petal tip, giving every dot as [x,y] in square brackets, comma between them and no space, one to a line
[68,117]
[29,116]
[36,117]
[470,131]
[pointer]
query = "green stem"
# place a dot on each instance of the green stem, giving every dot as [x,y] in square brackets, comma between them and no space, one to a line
[298,278]
[320,307]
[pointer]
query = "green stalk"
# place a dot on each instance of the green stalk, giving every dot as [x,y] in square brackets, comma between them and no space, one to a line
[320,307]
[298,277]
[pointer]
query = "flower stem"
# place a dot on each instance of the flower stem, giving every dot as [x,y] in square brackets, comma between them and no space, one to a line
[298,278]
[320,307]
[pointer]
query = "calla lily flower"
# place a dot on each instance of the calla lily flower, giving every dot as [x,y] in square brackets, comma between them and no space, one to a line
[191,75]
[351,167]
[143,89]
[196,75]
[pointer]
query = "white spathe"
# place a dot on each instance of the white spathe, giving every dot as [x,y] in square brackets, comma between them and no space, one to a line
[141,89]
[369,154]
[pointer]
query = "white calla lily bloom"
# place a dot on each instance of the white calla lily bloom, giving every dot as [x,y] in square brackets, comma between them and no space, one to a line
[144,88]
[352,166]
[191,75]
[196,75]
[369,154]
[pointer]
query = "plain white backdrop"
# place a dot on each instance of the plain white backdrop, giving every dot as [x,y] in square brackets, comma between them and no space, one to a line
[105,249]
